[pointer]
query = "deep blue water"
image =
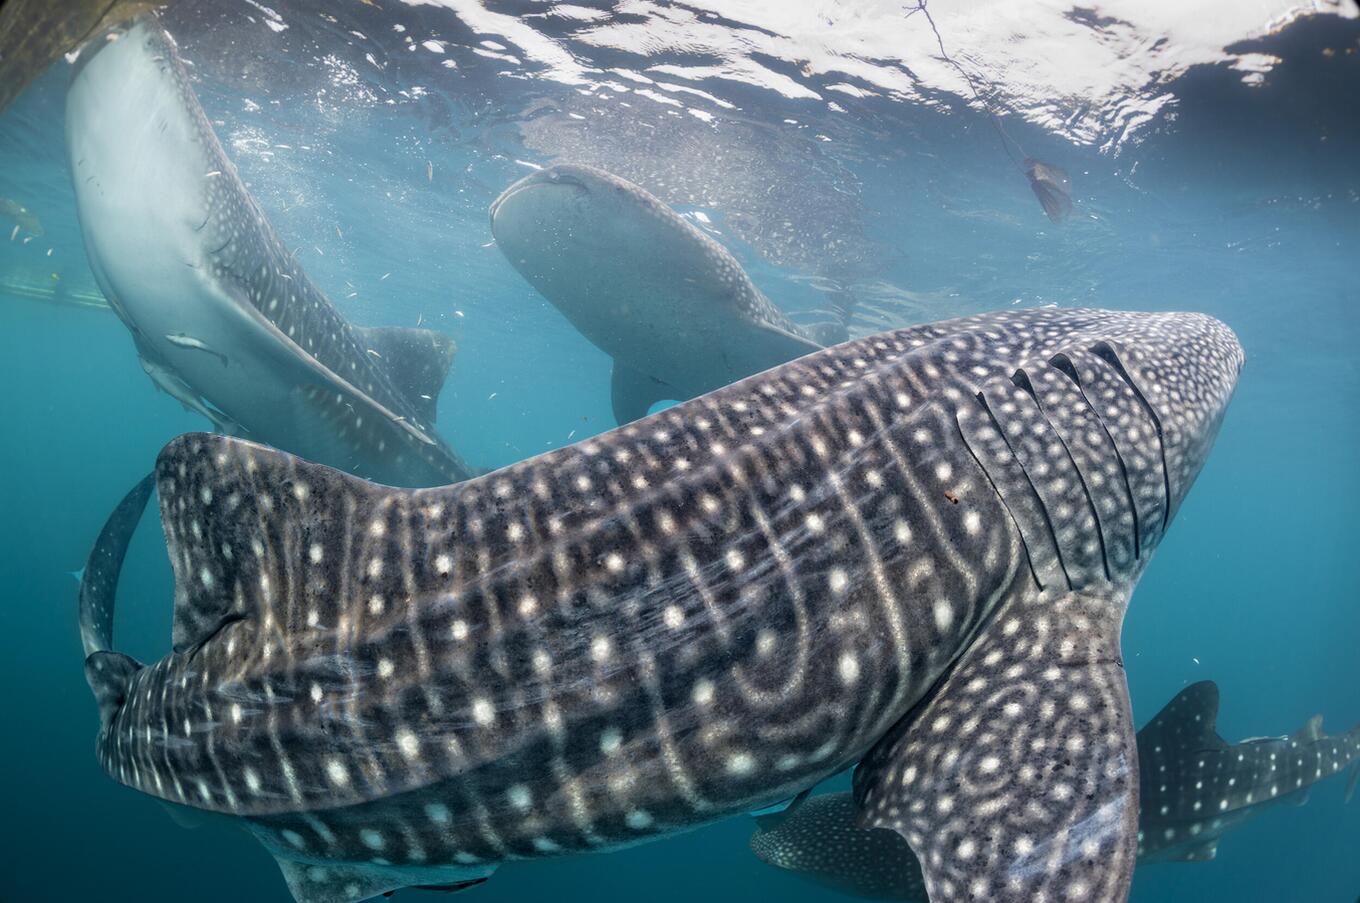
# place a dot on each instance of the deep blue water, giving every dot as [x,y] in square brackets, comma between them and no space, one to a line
[1239,200]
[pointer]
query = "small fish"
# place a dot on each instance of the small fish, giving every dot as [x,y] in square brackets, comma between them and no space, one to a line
[20,215]
[374,353]
[492,395]
[181,340]
[215,172]
[14,233]
[429,170]
[383,276]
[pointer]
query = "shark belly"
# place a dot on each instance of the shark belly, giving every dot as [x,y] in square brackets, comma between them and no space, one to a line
[222,316]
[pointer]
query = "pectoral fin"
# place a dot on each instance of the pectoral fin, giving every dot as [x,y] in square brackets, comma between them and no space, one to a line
[417,359]
[1201,853]
[633,392]
[344,882]
[1017,780]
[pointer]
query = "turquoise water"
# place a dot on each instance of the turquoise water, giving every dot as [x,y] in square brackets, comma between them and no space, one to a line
[1235,197]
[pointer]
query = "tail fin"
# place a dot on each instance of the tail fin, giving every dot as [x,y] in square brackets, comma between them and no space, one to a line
[99,581]
[248,527]
[109,673]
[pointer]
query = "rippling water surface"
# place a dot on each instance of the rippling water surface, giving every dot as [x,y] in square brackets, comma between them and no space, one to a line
[854,171]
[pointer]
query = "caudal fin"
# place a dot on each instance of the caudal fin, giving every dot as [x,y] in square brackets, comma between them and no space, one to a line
[99,580]
[109,673]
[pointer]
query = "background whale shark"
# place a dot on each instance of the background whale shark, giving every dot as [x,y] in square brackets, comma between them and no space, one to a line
[911,551]
[674,309]
[223,317]
[1186,771]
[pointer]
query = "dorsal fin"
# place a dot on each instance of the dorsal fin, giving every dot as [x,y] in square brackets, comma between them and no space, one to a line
[1311,731]
[1188,721]
[418,360]
[246,525]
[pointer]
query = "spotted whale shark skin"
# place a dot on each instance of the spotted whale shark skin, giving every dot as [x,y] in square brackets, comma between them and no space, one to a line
[1182,762]
[913,551]
[670,305]
[223,317]
[1196,786]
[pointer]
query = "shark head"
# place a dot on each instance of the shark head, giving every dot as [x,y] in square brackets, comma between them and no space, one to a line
[579,234]
[1182,372]
[146,163]
[672,306]
[579,210]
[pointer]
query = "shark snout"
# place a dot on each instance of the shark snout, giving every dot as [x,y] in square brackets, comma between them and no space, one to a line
[560,180]
[1186,368]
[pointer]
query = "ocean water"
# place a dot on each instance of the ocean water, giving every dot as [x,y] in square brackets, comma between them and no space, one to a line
[1211,153]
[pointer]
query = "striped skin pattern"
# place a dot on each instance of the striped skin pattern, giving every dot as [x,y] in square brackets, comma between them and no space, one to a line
[673,307]
[1186,775]
[693,616]
[223,316]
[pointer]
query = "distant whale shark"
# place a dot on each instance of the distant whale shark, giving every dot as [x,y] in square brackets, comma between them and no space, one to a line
[912,551]
[223,317]
[1195,785]
[1186,773]
[670,305]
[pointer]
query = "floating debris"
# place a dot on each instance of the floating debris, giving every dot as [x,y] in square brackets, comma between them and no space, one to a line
[36,33]
[1051,187]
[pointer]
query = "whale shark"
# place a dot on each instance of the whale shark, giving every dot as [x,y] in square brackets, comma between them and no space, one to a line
[671,306]
[223,317]
[1196,785]
[1186,772]
[911,551]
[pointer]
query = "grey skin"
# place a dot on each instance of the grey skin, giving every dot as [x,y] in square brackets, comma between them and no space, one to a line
[912,551]
[223,317]
[1182,762]
[670,305]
